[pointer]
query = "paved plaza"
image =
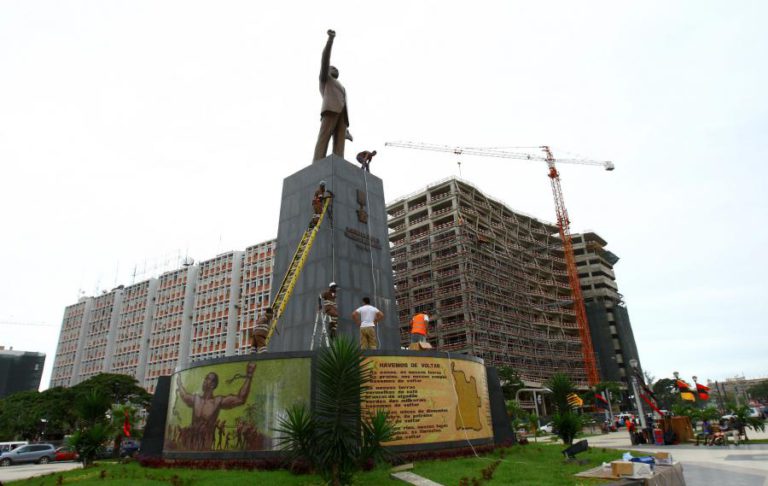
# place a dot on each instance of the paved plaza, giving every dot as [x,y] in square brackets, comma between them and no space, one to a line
[742,465]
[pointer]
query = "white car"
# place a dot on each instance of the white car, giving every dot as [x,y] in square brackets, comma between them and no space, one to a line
[548,428]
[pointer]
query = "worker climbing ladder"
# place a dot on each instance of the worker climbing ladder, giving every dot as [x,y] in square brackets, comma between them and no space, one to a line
[285,291]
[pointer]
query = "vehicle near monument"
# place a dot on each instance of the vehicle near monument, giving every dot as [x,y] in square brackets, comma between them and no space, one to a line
[9,446]
[66,453]
[40,453]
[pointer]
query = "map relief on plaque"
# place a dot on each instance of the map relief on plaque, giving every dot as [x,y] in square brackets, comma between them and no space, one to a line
[468,408]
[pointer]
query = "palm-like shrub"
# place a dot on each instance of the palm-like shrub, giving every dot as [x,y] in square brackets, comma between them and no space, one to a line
[93,429]
[567,422]
[88,441]
[377,429]
[334,438]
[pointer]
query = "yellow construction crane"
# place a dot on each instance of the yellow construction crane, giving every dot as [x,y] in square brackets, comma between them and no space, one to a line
[563,224]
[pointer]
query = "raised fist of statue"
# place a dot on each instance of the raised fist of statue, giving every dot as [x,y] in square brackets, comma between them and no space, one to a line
[331,33]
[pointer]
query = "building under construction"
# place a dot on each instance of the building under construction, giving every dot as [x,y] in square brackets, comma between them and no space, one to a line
[609,326]
[495,278]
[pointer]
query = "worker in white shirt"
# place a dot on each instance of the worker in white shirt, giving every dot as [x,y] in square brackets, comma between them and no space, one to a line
[367,317]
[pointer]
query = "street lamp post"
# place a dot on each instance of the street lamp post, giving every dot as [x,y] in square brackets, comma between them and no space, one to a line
[634,364]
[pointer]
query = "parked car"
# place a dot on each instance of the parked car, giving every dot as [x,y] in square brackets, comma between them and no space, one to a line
[9,446]
[129,447]
[623,417]
[41,453]
[756,412]
[549,428]
[66,454]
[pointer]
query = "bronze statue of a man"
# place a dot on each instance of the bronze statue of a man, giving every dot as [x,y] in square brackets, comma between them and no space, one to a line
[334,117]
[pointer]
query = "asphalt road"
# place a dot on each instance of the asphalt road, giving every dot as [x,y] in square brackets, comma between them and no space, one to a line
[24,471]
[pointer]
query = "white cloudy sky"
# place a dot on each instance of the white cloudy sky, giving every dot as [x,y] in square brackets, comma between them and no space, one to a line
[139,131]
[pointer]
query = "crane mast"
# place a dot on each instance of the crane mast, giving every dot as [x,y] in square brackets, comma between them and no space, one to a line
[563,224]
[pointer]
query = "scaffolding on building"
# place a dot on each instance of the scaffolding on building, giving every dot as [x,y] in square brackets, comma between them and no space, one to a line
[496,279]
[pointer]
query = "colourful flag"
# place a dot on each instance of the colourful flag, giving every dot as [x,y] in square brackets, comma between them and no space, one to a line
[703,391]
[689,396]
[685,391]
[126,425]
[651,404]
[649,392]
[683,386]
[574,400]
[600,401]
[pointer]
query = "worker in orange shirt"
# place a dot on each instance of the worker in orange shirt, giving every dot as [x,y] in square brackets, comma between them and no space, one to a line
[419,325]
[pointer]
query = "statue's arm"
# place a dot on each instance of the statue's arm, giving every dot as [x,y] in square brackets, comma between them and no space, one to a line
[186,397]
[325,62]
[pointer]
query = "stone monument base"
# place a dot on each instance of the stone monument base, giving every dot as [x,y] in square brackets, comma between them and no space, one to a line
[436,400]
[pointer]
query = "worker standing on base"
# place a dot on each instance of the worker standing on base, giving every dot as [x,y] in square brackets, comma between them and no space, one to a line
[329,308]
[260,332]
[419,324]
[367,317]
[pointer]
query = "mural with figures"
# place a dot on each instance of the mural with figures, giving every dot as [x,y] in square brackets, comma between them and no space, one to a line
[234,406]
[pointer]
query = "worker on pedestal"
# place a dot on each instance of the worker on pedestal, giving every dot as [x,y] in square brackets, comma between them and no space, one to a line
[419,325]
[329,309]
[368,317]
[318,199]
[260,332]
[364,158]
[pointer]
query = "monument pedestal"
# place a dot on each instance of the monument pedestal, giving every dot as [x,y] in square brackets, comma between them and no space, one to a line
[351,249]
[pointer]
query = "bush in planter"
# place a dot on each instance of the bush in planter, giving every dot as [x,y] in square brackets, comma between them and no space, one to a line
[334,438]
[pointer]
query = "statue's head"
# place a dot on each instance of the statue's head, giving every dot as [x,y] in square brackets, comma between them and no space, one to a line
[210,382]
[333,72]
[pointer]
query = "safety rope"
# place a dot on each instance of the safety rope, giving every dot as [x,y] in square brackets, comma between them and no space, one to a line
[370,248]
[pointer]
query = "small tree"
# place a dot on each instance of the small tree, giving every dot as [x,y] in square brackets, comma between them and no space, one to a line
[335,439]
[119,414]
[566,421]
[510,382]
[743,413]
[517,416]
[93,428]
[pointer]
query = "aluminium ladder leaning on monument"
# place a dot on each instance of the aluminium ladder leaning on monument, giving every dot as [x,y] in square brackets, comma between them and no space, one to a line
[285,291]
[321,320]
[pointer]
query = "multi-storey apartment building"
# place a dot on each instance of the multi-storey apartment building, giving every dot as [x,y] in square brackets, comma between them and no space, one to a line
[610,328]
[133,324]
[69,337]
[151,328]
[255,288]
[495,278]
[214,325]
[168,341]
[96,344]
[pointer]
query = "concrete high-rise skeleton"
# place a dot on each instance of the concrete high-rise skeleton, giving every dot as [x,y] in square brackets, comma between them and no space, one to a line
[609,326]
[496,279]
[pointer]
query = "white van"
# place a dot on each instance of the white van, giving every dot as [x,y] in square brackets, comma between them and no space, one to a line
[9,446]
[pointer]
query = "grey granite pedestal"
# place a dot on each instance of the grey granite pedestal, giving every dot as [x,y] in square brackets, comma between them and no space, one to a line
[351,249]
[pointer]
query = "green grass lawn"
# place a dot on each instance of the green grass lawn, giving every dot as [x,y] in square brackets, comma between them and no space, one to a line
[534,464]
